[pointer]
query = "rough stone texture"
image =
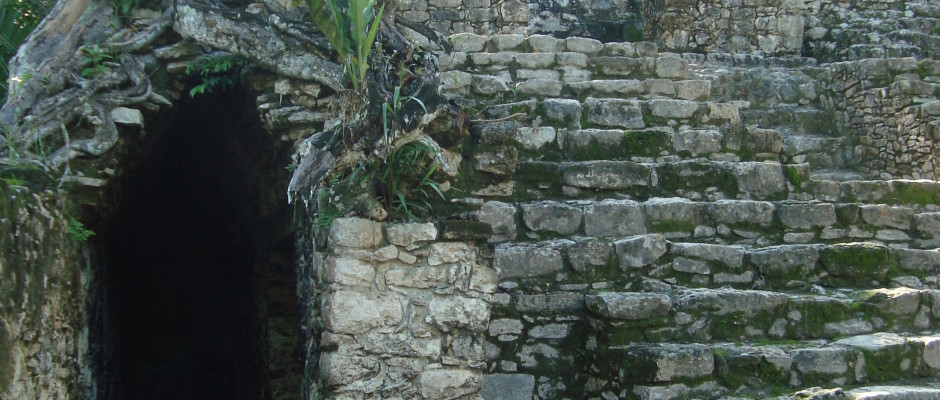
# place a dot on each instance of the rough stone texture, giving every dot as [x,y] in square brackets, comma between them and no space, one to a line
[617,113]
[629,306]
[640,251]
[513,260]
[552,216]
[611,218]
[508,386]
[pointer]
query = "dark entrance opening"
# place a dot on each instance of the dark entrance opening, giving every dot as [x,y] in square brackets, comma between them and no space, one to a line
[197,261]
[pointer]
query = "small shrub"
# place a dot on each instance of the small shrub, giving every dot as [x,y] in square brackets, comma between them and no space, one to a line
[405,182]
[216,72]
[78,231]
[93,63]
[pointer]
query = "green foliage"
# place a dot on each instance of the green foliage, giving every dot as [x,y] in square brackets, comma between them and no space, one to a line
[93,62]
[216,72]
[17,20]
[123,7]
[325,217]
[350,26]
[78,231]
[405,182]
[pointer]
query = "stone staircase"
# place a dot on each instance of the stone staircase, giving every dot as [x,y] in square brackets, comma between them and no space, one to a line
[695,226]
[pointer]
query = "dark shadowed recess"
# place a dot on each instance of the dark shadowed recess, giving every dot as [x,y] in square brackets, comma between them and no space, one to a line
[197,260]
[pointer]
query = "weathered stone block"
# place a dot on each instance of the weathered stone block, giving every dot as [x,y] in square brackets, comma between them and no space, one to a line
[640,251]
[882,215]
[546,44]
[807,215]
[785,262]
[672,214]
[697,141]
[458,312]
[347,311]
[584,45]
[860,262]
[680,109]
[586,255]
[563,110]
[673,68]
[501,217]
[407,234]
[615,112]
[552,216]
[554,303]
[629,306]
[729,256]
[350,272]
[516,260]
[760,179]
[613,218]
[450,252]
[606,174]
[450,383]
[741,211]
[468,42]
[355,232]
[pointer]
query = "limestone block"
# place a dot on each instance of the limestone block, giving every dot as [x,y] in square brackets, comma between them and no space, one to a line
[615,112]
[500,216]
[741,211]
[535,138]
[640,251]
[468,42]
[759,178]
[553,303]
[400,344]
[538,85]
[489,85]
[614,66]
[421,277]
[504,42]
[895,302]
[918,260]
[693,89]
[563,110]
[883,215]
[407,234]
[807,215]
[606,174]
[588,254]
[550,331]
[505,326]
[697,141]
[450,383]
[729,301]
[552,216]
[516,260]
[679,109]
[451,252]
[571,59]
[629,306]
[546,44]
[858,261]
[508,386]
[340,369]
[584,45]
[350,272]
[535,60]
[614,218]
[823,360]
[672,68]
[453,80]
[347,311]
[798,262]
[729,256]
[671,214]
[458,312]
[355,232]
[620,49]
[127,116]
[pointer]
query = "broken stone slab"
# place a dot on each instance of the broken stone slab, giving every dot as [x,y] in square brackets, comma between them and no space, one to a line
[628,306]
[127,116]
[639,251]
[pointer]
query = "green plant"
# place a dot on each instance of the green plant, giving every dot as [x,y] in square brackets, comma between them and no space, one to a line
[325,217]
[350,27]
[405,182]
[17,20]
[78,231]
[216,71]
[93,62]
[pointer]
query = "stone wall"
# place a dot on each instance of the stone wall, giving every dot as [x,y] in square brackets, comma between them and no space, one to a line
[889,111]
[403,312]
[44,343]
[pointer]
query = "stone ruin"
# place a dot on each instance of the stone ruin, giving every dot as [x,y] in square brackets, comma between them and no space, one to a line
[657,199]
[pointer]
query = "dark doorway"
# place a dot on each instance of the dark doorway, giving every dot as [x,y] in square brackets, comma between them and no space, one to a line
[200,232]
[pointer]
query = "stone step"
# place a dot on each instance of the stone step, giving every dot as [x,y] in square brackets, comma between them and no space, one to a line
[668,371]
[694,179]
[714,315]
[743,222]
[922,194]
[586,261]
[893,393]
[800,120]
[821,152]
